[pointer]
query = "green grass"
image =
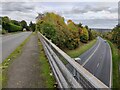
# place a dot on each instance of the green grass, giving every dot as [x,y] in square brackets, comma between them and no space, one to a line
[115,62]
[49,80]
[81,49]
[5,64]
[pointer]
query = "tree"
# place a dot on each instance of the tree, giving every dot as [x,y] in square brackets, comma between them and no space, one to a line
[23,24]
[5,26]
[15,22]
[9,25]
[48,30]
[80,25]
[54,28]
[14,28]
[5,19]
[86,27]
[32,26]
[5,22]
[72,26]
[84,37]
[90,34]
[116,35]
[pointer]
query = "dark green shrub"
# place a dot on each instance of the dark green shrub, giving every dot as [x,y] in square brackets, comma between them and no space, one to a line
[14,28]
[48,30]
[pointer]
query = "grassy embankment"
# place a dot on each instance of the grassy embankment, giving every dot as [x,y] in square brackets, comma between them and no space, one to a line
[5,64]
[49,80]
[81,49]
[116,63]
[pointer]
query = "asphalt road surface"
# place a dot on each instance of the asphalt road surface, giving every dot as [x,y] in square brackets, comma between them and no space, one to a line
[97,61]
[10,42]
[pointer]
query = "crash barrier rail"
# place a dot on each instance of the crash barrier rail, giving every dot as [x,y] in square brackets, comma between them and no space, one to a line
[68,73]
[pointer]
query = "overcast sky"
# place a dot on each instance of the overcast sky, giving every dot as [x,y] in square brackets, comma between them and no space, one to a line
[93,14]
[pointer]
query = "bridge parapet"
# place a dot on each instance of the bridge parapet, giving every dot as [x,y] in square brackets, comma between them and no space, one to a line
[59,62]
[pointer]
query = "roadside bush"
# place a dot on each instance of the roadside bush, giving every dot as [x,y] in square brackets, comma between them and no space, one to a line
[54,27]
[5,25]
[12,25]
[73,40]
[13,28]
[116,35]
[48,30]
[84,36]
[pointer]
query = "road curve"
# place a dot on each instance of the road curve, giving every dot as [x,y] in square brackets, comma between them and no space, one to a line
[97,60]
[10,42]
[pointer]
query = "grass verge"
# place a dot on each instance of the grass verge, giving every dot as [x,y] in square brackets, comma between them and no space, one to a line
[115,64]
[5,64]
[81,49]
[49,80]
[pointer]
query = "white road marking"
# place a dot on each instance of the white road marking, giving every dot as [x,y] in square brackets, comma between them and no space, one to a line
[110,84]
[91,54]
[98,64]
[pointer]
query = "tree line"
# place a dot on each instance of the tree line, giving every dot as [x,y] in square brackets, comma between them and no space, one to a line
[9,25]
[114,35]
[64,35]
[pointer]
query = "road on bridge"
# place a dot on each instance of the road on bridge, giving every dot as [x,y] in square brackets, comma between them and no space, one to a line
[10,42]
[98,61]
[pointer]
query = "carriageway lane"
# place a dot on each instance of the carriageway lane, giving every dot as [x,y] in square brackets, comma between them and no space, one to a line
[10,42]
[99,62]
[87,54]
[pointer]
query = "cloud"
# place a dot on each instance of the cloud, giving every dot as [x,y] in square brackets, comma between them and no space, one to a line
[10,7]
[75,11]
[113,10]
[93,7]
[19,10]
[61,0]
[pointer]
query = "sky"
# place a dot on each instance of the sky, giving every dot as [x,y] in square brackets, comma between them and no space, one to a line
[94,14]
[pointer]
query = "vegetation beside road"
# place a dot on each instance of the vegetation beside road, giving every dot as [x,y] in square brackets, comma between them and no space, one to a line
[46,71]
[81,49]
[9,26]
[116,65]
[5,64]
[113,38]
[64,35]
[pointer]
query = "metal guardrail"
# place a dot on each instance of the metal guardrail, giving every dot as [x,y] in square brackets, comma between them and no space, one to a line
[65,80]
[81,78]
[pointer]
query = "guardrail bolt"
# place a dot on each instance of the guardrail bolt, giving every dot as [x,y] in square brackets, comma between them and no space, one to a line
[55,85]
